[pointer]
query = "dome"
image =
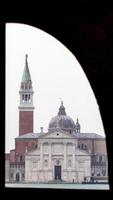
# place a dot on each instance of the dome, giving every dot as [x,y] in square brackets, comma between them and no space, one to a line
[62,121]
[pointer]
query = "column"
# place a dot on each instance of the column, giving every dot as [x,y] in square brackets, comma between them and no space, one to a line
[65,155]
[73,157]
[50,157]
[31,96]
[41,155]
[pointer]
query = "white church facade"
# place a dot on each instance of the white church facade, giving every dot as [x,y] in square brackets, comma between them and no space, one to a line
[57,158]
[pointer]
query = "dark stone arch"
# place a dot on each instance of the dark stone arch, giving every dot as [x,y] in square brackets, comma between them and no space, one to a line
[90,39]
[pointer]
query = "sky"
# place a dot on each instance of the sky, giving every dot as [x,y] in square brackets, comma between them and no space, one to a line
[56,75]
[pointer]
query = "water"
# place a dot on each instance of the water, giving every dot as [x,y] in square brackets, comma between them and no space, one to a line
[59,186]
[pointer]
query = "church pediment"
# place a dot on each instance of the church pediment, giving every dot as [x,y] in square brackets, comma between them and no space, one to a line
[57,134]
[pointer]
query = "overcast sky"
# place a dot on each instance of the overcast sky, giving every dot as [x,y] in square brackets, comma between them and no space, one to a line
[55,73]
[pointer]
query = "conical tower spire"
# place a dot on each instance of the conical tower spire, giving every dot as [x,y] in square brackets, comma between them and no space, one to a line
[26,74]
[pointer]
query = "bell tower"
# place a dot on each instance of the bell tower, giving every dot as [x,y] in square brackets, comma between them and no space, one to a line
[26,102]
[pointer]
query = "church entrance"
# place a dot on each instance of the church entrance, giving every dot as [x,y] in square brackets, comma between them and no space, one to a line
[17,177]
[58,172]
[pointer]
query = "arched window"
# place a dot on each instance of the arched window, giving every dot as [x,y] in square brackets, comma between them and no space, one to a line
[23,97]
[26,97]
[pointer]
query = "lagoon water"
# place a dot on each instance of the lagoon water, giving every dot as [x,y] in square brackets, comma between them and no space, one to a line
[59,186]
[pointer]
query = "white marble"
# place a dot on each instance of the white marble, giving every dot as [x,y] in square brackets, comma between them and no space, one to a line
[57,149]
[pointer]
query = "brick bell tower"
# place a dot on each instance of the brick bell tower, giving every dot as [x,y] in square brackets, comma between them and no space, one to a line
[26,102]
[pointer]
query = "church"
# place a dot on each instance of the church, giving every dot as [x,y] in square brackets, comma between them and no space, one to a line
[63,153]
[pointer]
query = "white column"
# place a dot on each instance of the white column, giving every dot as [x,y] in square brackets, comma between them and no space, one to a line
[73,157]
[41,155]
[50,157]
[65,155]
[31,96]
[21,98]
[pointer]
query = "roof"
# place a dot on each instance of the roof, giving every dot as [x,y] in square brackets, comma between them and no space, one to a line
[77,135]
[61,121]
[89,135]
[29,135]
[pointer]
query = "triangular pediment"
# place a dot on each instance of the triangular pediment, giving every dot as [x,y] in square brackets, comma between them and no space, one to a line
[57,134]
